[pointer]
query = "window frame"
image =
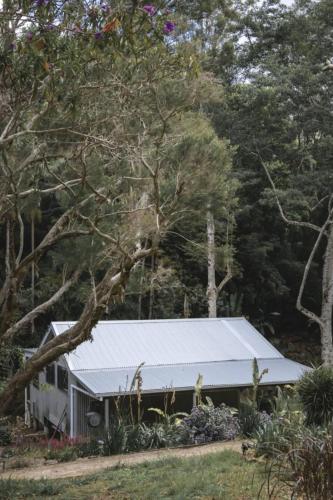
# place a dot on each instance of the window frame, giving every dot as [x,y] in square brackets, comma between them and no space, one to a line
[61,377]
[47,374]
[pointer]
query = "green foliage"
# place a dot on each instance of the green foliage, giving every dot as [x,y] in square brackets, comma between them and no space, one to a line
[115,440]
[250,419]
[65,454]
[208,423]
[27,489]
[5,434]
[285,427]
[166,419]
[274,437]
[315,390]
[306,468]
[256,379]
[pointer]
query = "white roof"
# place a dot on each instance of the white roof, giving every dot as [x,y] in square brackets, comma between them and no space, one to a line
[220,374]
[127,344]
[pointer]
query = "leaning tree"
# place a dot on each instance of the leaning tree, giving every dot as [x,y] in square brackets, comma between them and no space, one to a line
[87,185]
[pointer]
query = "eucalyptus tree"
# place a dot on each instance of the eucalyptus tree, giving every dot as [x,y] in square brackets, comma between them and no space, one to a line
[84,116]
[209,201]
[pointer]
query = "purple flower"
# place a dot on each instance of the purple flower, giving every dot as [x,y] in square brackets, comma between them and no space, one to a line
[50,27]
[40,3]
[149,9]
[29,36]
[98,35]
[105,7]
[12,46]
[169,26]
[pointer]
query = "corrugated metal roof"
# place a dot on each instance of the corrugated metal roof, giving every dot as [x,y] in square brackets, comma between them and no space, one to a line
[121,344]
[184,376]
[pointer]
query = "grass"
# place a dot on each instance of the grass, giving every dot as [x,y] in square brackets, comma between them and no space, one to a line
[224,475]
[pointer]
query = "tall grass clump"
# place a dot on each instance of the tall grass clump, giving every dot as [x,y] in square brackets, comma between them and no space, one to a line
[315,391]
[306,469]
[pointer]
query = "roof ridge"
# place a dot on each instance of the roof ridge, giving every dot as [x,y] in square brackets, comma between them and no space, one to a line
[162,320]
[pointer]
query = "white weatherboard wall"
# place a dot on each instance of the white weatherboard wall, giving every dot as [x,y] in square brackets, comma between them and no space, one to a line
[50,402]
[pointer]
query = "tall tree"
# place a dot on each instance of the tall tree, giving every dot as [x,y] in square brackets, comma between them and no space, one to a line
[84,125]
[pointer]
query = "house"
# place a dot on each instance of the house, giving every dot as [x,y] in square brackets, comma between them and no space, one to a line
[77,393]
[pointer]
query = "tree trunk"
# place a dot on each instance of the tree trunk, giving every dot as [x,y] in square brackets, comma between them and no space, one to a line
[151,289]
[112,284]
[141,289]
[327,302]
[211,285]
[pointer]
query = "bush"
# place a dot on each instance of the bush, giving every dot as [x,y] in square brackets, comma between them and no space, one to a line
[66,454]
[143,437]
[251,420]
[315,390]
[207,423]
[307,468]
[274,437]
[5,436]
[115,440]
[89,448]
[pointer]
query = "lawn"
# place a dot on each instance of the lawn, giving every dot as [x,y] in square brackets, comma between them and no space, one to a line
[222,475]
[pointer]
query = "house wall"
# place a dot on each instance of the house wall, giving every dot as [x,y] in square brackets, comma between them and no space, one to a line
[49,402]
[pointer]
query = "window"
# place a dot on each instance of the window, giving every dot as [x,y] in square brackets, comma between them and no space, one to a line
[35,381]
[50,374]
[62,378]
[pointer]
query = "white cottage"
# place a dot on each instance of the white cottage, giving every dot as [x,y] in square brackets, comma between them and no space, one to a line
[77,392]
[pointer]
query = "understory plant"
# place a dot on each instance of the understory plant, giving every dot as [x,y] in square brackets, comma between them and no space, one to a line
[285,426]
[315,390]
[250,419]
[306,469]
[208,423]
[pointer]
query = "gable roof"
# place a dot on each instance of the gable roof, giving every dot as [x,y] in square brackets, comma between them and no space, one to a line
[174,352]
[127,344]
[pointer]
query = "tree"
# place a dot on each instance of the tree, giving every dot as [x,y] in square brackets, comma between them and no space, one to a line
[84,130]
[209,196]
[280,115]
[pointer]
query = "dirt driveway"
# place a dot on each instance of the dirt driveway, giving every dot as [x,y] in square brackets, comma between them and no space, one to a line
[84,466]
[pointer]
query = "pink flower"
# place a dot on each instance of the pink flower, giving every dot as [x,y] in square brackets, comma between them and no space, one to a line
[149,9]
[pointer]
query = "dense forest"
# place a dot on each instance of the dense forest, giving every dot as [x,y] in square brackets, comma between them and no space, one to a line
[164,160]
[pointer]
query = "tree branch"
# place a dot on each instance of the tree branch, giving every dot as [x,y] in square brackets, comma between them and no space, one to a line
[283,215]
[40,309]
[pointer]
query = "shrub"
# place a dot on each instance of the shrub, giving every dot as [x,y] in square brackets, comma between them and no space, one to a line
[89,448]
[250,419]
[5,436]
[143,437]
[115,440]
[307,468]
[208,423]
[273,438]
[65,454]
[315,390]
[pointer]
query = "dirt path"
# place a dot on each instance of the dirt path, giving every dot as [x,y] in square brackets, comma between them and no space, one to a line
[84,466]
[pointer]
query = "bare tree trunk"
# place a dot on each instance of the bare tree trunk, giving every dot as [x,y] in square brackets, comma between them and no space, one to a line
[327,302]
[151,290]
[211,285]
[187,311]
[32,271]
[324,321]
[141,288]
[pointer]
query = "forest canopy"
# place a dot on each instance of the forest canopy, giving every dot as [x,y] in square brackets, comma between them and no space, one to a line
[162,160]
